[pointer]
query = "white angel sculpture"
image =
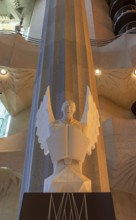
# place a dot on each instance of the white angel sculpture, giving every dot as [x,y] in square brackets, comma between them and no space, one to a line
[68,141]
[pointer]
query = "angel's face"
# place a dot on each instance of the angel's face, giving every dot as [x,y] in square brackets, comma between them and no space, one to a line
[68,109]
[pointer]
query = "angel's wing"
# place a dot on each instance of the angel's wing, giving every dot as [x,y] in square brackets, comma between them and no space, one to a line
[44,118]
[90,118]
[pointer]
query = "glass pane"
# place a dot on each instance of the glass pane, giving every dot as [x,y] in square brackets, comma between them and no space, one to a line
[4,120]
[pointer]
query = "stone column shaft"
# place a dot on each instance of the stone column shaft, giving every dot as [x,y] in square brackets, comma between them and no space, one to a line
[66,64]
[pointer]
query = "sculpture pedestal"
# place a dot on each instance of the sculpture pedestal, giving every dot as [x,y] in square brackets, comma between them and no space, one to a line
[68,180]
[55,206]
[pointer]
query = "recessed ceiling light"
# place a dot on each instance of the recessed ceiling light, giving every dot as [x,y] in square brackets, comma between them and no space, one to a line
[134,72]
[4,168]
[3,71]
[98,72]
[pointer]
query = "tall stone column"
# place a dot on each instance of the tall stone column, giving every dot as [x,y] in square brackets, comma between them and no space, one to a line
[66,64]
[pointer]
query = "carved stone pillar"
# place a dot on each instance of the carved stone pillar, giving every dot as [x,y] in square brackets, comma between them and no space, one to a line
[66,64]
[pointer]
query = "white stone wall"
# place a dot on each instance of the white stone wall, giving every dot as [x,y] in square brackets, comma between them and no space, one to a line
[37,19]
[9,194]
[19,122]
[119,127]
[109,109]
[124,205]
[102,20]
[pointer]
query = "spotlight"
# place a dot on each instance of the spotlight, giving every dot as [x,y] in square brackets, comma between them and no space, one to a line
[98,72]
[134,72]
[3,71]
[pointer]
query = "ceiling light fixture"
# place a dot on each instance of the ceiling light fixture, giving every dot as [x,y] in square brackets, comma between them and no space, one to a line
[98,72]
[3,71]
[134,72]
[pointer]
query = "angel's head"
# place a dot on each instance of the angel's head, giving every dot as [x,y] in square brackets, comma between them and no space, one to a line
[68,108]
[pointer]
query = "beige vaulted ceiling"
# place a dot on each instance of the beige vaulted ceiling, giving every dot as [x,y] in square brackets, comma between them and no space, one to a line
[20,58]
[118,85]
